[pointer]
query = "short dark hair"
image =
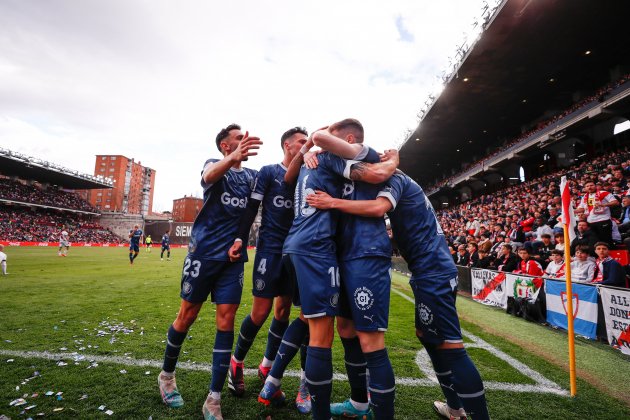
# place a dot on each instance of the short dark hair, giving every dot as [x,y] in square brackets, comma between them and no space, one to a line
[545,235]
[349,124]
[290,132]
[508,246]
[522,248]
[601,243]
[224,133]
[583,248]
[556,252]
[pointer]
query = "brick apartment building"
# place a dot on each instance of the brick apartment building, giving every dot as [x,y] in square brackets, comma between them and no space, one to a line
[185,209]
[133,186]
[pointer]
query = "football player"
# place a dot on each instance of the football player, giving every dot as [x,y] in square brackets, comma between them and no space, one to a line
[135,238]
[207,269]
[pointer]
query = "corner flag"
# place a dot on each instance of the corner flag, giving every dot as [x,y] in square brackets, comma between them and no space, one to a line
[567,208]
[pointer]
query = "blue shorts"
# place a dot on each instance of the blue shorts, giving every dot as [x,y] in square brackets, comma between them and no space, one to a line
[365,285]
[166,247]
[436,315]
[270,277]
[134,247]
[222,280]
[318,284]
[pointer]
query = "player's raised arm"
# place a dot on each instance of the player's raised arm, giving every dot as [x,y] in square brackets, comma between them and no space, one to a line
[236,147]
[337,146]
[365,208]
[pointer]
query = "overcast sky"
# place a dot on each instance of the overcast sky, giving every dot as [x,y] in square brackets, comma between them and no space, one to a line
[156,80]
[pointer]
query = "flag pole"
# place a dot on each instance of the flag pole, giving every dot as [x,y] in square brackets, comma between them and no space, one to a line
[567,222]
[570,333]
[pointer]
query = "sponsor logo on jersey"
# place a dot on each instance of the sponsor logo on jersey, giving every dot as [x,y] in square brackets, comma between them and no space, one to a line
[228,200]
[348,189]
[186,287]
[425,315]
[280,202]
[363,298]
[260,284]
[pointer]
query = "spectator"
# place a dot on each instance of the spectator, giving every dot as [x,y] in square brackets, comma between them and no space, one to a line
[462,256]
[473,254]
[542,250]
[597,207]
[559,237]
[528,265]
[584,237]
[484,260]
[499,240]
[608,271]
[582,268]
[506,261]
[556,268]
[624,217]
[485,243]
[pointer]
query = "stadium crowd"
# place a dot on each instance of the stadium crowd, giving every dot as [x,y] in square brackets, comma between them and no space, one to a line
[518,229]
[599,95]
[22,224]
[51,196]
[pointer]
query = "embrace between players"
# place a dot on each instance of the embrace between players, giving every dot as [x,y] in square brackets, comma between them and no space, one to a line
[322,246]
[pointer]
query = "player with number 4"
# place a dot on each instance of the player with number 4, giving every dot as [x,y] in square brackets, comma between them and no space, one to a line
[208,269]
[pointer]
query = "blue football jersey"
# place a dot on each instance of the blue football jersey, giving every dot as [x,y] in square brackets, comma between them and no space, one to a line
[135,236]
[416,229]
[224,202]
[277,212]
[313,231]
[165,239]
[362,236]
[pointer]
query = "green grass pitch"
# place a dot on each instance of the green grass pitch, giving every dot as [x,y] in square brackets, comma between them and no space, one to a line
[58,305]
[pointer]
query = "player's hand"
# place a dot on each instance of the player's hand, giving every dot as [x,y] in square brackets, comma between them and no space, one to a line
[320,200]
[310,160]
[235,251]
[246,147]
[392,155]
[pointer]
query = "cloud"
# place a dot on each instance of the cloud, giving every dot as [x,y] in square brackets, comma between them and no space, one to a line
[404,33]
[157,80]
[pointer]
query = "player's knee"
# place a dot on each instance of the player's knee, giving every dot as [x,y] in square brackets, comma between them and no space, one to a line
[225,316]
[259,315]
[345,328]
[371,341]
[184,321]
[282,312]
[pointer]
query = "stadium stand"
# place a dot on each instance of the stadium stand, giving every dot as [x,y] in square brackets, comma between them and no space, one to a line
[21,192]
[24,224]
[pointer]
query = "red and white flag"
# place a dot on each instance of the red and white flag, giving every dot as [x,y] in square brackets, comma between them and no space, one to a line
[567,208]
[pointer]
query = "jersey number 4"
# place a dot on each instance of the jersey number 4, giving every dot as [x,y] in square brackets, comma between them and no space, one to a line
[195,264]
[262,266]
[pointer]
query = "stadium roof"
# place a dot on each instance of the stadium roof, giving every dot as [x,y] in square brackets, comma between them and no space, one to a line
[535,58]
[26,167]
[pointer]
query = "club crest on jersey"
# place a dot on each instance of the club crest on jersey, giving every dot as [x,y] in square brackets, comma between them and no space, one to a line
[334,300]
[425,315]
[186,287]
[260,284]
[363,298]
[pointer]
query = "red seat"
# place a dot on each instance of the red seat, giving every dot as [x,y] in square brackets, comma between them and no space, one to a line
[621,255]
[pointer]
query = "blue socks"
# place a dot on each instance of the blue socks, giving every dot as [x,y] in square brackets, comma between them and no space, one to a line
[382,384]
[468,383]
[276,331]
[245,338]
[221,359]
[174,341]
[355,368]
[319,379]
[444,376]
[303,348]
[289,346]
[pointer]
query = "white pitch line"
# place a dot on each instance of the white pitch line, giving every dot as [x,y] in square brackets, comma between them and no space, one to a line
[203,367]
[542,385]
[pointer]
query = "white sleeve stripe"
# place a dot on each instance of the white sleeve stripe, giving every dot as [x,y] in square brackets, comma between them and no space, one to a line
[363,153]
[257,196]
[389,196]
[348,168]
